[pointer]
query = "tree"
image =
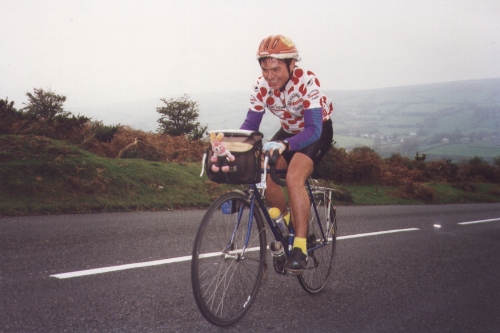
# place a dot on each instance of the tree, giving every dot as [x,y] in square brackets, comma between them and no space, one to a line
[6,109]
[8,115]
[420,158]
[496,161]
[45,104]
[198,132]
[179,118]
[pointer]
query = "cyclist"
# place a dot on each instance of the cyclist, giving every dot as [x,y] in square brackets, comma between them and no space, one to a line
[294,96]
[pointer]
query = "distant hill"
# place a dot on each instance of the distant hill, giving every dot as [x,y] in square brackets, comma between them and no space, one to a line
[399,119]
[449,120]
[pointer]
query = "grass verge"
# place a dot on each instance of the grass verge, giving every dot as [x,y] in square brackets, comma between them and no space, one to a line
[43,176]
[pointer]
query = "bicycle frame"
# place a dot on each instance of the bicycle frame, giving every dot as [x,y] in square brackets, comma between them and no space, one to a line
[256,197]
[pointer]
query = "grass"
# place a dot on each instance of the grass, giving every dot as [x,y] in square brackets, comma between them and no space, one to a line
[42,176]
[347,141]
[442,194]
[465,150]
[467,193]
[376,195]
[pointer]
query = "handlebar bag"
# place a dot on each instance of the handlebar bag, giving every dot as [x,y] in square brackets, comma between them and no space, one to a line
[246,147]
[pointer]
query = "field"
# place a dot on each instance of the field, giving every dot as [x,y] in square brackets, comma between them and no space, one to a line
[452,120]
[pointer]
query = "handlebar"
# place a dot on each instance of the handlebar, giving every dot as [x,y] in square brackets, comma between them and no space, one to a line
[271,161]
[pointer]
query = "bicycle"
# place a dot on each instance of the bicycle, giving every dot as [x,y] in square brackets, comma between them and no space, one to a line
[230,248]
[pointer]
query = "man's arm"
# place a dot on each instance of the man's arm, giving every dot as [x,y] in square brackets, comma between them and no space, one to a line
[313,119]
[252,121]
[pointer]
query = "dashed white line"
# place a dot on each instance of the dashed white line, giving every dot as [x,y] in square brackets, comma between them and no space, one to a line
[377,233]
[188,258]
[479,221]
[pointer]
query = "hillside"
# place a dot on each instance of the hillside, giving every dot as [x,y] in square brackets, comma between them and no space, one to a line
[442,120]
[466,113]
[44,176]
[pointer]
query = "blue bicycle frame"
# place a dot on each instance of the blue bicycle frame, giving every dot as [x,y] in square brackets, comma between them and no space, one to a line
[256,197]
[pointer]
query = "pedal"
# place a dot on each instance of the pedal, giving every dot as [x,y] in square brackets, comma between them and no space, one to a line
[277,249]
[293,272]
[278,264]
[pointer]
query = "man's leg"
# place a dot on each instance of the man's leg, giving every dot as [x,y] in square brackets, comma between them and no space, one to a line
[275,196]
[300,168]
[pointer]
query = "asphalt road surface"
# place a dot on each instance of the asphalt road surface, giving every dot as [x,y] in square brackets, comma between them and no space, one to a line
[435,275]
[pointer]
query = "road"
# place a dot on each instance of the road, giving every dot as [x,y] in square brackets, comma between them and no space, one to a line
[437,276]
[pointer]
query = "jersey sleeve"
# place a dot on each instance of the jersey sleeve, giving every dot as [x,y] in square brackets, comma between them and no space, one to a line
[313,120]
[252,121]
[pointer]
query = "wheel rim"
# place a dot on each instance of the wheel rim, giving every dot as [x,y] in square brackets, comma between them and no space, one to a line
[225,283]
[315,276]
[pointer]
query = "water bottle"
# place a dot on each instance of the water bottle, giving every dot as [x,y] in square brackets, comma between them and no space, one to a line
[278,220]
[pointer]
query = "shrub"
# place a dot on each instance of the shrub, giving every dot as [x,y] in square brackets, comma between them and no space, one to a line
[480,172]
[365,165]
[343,195]
[334,166]
[9,116]
[476,160]
[130,143]
[416,191]
[104,133]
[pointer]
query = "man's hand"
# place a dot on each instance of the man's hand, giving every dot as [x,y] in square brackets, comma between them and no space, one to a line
[272,145]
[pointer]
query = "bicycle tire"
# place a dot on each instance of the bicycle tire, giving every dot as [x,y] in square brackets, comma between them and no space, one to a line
[315,275]
[225,285]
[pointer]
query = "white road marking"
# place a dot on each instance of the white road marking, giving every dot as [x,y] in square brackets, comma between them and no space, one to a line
[119,268]
[136,265]
[188,258]
[479,221]
[377,233]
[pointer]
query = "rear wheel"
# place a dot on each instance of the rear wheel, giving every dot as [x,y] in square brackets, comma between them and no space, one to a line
[225,279]
[314,277]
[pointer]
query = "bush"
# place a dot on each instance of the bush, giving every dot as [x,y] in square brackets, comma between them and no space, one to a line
[342,195]
[417,191]
[104,133]
[9,116]
[365,165]
[130,143]
[480,172]
[66,127]
[476,160]
[334,166]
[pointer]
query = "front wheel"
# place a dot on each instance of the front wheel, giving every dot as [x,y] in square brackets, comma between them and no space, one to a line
[226,274]
[314,277]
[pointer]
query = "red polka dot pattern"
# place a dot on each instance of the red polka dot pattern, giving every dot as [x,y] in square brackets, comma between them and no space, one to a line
[301,92]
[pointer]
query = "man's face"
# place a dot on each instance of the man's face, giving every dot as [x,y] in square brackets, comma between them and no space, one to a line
[275,72]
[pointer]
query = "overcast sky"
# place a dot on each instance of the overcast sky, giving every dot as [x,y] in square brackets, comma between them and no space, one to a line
[99,51]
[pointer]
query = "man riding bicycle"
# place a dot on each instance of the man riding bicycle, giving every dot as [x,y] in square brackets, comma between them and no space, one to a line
[294,96]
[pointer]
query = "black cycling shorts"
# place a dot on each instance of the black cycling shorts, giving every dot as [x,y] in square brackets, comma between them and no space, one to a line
[315,150]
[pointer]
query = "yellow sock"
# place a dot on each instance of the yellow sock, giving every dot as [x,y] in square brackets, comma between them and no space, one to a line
[287,219]
[301,243]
